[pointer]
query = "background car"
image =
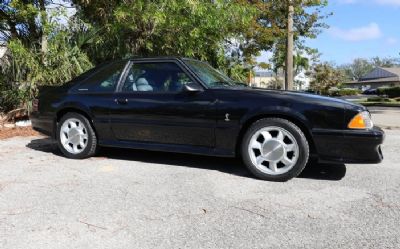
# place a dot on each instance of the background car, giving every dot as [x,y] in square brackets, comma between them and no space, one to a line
[371,91]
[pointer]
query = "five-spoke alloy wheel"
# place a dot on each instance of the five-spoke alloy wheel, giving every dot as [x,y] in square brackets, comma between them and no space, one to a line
[76,137]
[275,149]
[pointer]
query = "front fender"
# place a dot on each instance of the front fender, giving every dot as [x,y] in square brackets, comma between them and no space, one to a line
[278,111]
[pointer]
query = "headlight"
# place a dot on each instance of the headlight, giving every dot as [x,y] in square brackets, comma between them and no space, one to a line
[361,121]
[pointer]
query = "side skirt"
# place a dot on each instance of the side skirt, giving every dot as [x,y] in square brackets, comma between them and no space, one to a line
[187,149]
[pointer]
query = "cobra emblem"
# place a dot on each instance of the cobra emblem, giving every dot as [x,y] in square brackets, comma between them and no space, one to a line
[227,117]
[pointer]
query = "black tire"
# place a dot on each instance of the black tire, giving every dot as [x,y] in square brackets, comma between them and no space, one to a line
[91,147]
[295,132]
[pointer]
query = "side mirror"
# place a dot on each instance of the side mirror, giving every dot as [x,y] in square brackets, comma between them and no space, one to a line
[192,87]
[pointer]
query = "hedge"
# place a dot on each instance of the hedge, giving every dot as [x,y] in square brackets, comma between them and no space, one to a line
[344,92]
[391,92]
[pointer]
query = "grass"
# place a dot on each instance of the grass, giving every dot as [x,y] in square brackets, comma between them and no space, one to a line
[378,102]
[394,104]
[365,102]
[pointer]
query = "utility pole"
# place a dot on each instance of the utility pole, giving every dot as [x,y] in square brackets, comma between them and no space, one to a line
[289,50]
[43,19]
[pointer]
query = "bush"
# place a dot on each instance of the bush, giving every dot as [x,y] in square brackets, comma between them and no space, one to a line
[391,92]
[397,99]
[12,97]
[349,91]
[343,92]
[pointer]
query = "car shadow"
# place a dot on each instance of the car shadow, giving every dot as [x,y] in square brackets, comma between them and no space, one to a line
[232,166]
[321,171]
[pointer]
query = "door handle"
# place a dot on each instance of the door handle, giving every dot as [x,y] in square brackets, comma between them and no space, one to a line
[121,101]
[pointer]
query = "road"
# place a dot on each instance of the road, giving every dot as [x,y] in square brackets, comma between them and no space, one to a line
[386,117]
[137,199]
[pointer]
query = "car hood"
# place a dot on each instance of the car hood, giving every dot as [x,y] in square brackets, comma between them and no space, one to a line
[304,97]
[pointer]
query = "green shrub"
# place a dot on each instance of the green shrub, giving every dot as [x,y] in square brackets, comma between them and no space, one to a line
[344,92]
[12,97]
[397,99]
[26,68]
[391,92]
[349,91]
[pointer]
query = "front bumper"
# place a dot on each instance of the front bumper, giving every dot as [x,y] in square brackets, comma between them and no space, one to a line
[350,146]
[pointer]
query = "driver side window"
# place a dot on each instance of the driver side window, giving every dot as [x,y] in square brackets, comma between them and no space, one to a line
[155,77]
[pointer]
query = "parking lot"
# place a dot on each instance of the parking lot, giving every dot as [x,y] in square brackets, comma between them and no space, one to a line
[138,199]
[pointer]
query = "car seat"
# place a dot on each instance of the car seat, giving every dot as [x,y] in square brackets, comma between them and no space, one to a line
[143,85]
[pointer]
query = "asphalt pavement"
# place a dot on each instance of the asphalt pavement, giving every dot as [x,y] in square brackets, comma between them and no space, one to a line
[386,117]
[137,199]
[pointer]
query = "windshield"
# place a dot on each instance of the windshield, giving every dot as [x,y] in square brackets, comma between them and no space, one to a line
[210,76]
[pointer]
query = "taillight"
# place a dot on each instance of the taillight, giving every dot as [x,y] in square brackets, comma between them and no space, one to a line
[35,105]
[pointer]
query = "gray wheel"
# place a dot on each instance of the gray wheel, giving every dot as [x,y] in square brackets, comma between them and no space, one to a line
[76,137]
[275,149]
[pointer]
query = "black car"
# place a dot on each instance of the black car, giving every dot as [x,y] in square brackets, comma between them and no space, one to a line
[371,91]
[184,105]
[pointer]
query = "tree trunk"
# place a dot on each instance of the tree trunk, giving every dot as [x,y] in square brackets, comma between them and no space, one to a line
[289,51]
[43,20]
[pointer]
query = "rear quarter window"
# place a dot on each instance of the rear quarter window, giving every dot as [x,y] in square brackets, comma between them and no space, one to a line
[103,80]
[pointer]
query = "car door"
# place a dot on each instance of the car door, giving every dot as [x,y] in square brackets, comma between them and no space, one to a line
[151,106]
[95,94]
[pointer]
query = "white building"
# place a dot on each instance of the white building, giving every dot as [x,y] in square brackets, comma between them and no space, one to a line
[267,79]
[271,80]
[301,81]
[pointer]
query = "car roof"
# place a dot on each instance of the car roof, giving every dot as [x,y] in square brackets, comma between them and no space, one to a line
[161,58]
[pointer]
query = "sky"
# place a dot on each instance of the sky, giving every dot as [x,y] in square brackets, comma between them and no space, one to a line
[358,28]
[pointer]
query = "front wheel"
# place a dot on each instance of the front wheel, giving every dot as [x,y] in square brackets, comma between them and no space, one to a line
[76,137]
[275,149]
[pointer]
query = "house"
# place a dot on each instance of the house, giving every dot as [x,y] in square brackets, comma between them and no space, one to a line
[267,79]
[302,81]
[379,77]
[271,80]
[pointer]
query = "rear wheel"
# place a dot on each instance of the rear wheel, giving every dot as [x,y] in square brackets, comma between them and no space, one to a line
[76,137]
[275,149]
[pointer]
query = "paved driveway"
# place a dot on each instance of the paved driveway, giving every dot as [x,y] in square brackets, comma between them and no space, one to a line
[386,117]
[137,199]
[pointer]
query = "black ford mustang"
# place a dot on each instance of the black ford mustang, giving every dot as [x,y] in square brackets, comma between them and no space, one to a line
[184,105]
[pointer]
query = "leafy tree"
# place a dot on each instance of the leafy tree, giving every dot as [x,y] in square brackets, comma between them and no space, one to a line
[325,76]
[268,31]
[385,62]
[227,33]
[41,51]
[25,20]
[360,66]
[192,28]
